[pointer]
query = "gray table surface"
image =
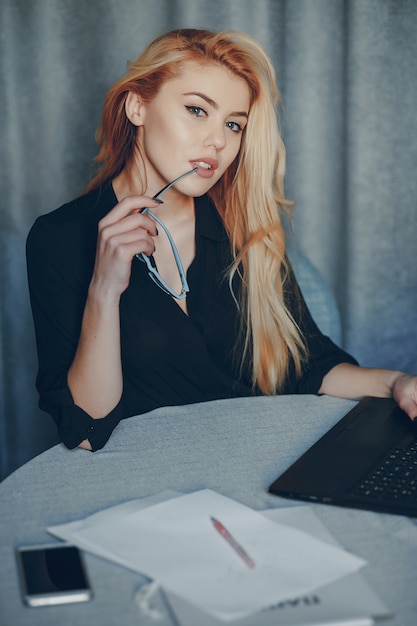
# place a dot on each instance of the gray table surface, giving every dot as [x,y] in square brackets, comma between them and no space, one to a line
[236,447]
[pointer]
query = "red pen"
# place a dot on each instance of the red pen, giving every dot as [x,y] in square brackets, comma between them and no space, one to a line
[232,542]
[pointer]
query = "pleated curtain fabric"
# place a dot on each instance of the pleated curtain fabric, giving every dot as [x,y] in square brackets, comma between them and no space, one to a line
[347,71]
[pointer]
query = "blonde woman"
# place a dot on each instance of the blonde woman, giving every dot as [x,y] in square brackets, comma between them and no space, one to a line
[189,194]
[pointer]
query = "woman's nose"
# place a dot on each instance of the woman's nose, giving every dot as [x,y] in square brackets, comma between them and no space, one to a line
[216,136]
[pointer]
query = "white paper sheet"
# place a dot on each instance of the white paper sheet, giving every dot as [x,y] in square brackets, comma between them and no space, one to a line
[175,543]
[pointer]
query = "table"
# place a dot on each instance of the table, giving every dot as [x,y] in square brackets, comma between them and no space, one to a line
[236,447]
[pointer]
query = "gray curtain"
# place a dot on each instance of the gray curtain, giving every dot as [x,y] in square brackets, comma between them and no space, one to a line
[347,71]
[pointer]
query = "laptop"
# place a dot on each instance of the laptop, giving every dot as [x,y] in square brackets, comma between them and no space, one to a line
[368,460]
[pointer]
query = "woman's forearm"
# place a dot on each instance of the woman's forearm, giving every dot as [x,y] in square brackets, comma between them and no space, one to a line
[354,382]
[95,376]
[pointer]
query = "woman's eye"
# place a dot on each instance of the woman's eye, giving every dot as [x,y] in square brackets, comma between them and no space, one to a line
[234,126]
[197,111]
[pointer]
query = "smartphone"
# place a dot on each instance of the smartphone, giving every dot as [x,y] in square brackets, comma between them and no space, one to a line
[52,574]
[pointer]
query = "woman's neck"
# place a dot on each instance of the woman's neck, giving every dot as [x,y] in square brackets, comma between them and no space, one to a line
[127,184]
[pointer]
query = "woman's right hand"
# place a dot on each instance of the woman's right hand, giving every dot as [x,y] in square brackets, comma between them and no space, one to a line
[122,233]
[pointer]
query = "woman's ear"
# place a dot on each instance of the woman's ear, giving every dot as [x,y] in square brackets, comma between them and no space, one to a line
[134,108]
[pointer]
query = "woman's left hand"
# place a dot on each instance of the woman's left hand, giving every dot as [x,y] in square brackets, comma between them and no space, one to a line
[404,392]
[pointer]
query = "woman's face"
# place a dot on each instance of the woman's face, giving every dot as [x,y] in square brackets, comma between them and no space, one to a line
[195,120]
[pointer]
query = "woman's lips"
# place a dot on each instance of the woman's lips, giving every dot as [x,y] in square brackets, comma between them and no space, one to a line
[205,167]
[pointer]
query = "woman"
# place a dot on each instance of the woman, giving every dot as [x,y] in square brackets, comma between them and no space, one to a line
[111,342]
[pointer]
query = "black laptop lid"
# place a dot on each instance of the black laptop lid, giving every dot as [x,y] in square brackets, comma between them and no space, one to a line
[332,470]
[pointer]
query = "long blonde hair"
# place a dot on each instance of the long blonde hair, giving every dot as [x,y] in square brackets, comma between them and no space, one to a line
[250,195]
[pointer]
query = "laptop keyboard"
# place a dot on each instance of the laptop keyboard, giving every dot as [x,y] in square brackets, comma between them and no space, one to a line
[395,478]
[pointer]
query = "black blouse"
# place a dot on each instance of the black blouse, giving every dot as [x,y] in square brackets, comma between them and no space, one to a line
[168,358]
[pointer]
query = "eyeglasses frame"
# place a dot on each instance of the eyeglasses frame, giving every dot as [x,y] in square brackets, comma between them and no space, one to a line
[150,261]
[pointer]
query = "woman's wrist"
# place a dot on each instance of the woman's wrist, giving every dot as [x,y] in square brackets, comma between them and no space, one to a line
[102,296]
[397,383]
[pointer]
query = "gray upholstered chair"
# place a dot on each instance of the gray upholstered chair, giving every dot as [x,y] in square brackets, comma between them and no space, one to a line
[318,295]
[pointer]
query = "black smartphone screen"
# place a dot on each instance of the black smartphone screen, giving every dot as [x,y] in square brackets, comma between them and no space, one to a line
[52,569]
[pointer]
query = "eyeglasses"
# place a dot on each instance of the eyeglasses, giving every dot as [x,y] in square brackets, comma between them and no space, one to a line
[150,261]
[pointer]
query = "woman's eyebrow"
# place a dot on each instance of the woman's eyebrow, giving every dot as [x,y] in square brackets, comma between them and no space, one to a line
[214,104]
